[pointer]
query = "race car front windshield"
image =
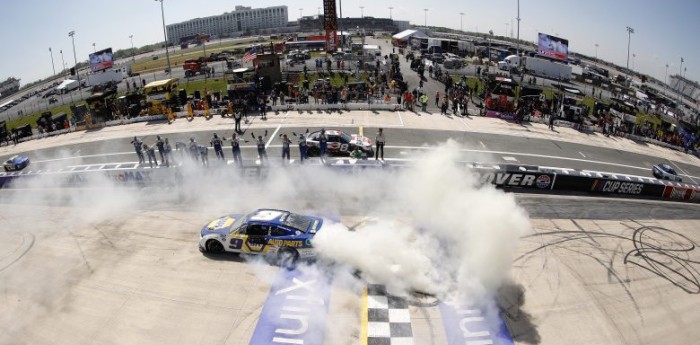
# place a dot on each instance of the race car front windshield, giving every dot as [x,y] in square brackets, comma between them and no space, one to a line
[298,221]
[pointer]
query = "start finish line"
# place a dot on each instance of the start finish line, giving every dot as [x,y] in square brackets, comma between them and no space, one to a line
[295,310]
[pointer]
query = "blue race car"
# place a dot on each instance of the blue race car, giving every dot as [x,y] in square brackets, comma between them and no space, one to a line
[16,163]
[279,234]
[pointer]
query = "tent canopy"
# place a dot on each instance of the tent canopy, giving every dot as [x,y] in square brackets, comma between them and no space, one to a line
[409,33]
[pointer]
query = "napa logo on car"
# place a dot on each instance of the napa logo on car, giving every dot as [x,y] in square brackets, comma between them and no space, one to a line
[221,223]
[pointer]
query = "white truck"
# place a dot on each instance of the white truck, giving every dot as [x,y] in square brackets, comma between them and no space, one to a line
[103,77]
[66,86]
[537,66]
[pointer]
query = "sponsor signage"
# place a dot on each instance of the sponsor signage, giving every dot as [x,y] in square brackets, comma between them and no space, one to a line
[681,193]
[617,187]
[295,310]
[473,326]
[515,179]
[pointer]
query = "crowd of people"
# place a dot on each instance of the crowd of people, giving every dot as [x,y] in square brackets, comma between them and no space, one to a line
[198,153]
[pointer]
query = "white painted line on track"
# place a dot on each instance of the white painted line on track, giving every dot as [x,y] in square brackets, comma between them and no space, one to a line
[582,155]
[510,159]
[409,148]
[401,119]
[482,144]
[683,171]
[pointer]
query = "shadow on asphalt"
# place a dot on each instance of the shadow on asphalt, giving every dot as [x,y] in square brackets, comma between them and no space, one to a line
[510,299]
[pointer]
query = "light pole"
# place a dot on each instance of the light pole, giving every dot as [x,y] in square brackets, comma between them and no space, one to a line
[666,77]
[63,61]
[506,34]
[596,52]
[362,12]
[425,17]
[52,65]
[630,31]
[490,37]
[340,24]
[165,36]
[517,44]
[75,58]
[133,53]
[300,11]
[390,9]
[93,48]
[461,21]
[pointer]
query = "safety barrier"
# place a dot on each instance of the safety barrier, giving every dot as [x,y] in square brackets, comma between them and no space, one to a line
[336,106]
[508,177]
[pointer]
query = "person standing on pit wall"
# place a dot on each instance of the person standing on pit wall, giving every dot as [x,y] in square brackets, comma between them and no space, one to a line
[236,148]
[204,154]
[237,116]
[260,144]
[138,147]
[285,148]
[160,144]
[322,144]
[380,140]
[302,148]
[217,143]
[151,153]
[194,150]
[168,153]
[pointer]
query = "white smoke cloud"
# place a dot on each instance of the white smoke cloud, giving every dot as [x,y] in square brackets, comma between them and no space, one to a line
[431,227]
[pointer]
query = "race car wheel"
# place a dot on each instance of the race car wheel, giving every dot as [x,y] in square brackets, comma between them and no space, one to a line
[214,246]
[287,257]
[313,151]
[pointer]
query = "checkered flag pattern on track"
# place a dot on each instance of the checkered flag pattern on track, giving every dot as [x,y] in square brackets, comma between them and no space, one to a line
[389,321]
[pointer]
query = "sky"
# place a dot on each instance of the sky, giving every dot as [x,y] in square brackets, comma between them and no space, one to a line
[663,30]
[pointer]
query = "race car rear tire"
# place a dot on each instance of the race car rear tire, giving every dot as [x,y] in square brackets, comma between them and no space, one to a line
[313,151]
[214,246]
[287,257]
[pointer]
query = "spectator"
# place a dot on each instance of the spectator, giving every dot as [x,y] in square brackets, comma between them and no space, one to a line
[138,147]
[161,149]
[424,102]
[236,148]
[260,144]
[194,150]
[302,148]
[204,154]
[217,143]
[322,144]
[285,148]
[380,140]
[151,152]
[168,152]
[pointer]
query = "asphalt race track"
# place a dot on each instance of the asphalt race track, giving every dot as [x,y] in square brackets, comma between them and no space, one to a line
[403,144]
[122,267]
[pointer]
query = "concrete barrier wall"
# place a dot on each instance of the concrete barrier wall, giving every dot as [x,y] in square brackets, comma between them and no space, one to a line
[511,178]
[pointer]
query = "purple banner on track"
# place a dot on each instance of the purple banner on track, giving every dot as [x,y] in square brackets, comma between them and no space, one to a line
[295,310]
[474,326]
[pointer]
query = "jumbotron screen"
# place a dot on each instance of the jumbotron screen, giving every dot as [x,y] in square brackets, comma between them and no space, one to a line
[100,60]
[552,46]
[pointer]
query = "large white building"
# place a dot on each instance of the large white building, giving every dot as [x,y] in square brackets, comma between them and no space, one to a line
[243,19]
[685,86]
[9,86]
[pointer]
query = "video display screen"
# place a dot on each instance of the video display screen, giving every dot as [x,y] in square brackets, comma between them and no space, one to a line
[552,46]
[101,60]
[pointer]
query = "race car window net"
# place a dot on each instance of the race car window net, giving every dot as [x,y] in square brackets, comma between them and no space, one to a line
[298,221]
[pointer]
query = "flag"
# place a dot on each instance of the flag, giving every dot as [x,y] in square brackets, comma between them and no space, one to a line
[250,55]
